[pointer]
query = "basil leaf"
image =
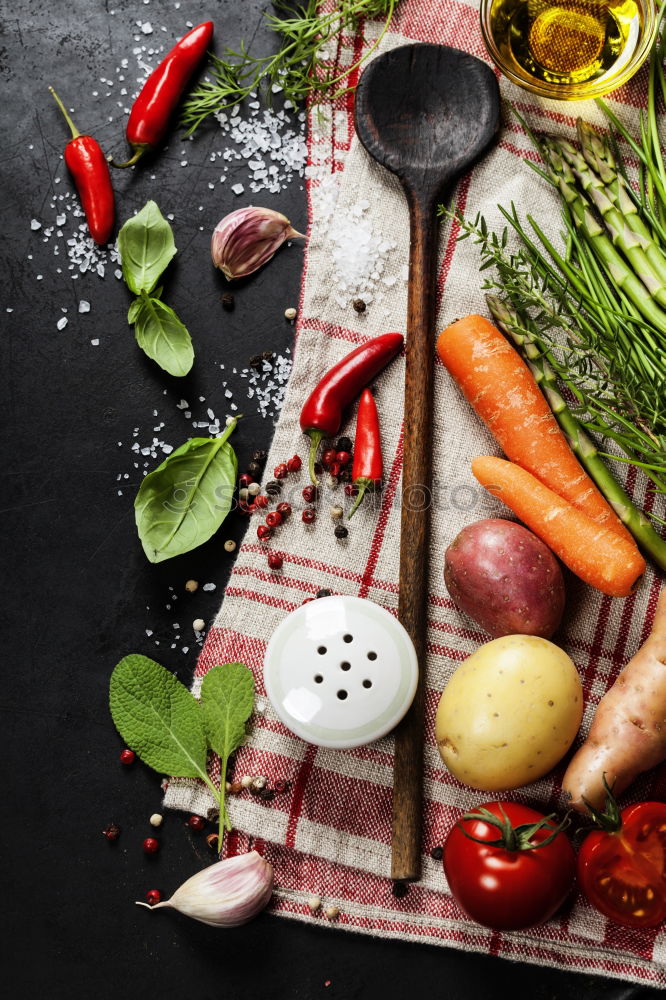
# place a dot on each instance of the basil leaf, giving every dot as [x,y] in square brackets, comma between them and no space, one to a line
[146,246]
[161,335]
[133,311]
[227,699]
[158,718]
[185,500]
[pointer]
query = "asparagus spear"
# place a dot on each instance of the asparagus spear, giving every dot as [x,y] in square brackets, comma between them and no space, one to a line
[518,328]
[634,283]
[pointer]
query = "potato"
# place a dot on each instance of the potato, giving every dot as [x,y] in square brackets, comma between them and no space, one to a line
[509,713]
[505,578]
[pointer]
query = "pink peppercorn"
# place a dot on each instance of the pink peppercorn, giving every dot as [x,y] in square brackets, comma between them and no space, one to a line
[273,519]
[263,532]
[196,823]
[294,464]
[275,560]
[350,490]
[328,457]
[310,494]
[309,515]
[151,846]
[245,479]
[261,501]
[343,457]
[334,469]
[281,471]
[152,897]
[284,509]
[127,756]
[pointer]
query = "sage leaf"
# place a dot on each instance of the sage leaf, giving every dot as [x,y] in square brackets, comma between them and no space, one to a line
[227,699]
[161,335]
[158,718]
[146,246]
[183,502]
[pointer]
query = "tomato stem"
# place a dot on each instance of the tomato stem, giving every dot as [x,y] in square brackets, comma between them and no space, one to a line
[515,838]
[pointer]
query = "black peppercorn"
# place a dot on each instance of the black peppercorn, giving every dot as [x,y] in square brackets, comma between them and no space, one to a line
[437,853]
[400,889]
[256,362]
[267,794]
[359,305]
[343,444]
[259,456]
[273,488]
[345,476]
[323,593]
[267,356]
[340,531]
[228,301]
[254,468]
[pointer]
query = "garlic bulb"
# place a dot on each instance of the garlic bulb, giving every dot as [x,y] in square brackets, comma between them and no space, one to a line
[225,894]
[247,238]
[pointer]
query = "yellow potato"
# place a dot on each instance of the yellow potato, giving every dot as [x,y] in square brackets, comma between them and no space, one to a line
[509,713]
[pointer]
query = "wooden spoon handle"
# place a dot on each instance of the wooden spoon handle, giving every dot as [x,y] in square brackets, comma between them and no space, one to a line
[414,533]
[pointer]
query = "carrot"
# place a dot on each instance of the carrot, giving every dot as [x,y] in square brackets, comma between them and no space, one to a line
[502,390]
[628,735]
[594,552]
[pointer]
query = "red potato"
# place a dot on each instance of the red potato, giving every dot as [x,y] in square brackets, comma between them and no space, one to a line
[628,733]
[505,578]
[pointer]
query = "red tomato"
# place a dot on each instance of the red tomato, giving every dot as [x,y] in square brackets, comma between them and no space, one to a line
[623,874]
[502,888]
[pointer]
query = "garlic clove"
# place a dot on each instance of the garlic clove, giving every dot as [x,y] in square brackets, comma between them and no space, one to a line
[226,894]
[246,239]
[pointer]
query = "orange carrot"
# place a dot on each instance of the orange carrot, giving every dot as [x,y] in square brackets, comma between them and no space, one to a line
[592,551]
[502,390]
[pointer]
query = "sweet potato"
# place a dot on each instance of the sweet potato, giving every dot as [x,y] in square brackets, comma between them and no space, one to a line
[628,732]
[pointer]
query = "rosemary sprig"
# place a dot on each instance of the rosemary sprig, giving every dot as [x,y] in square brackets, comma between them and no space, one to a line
[302,68]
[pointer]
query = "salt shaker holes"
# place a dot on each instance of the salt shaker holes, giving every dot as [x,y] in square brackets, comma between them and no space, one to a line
[372,655]
[345,665]
[342,695]
[318,678]
[367,684]
[348,638]
[321,650]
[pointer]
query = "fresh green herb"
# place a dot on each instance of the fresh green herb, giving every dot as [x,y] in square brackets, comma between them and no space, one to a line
[146,246]
[227,697]
[595,309]
[304,66]
[170,730]
[183,502]
[162,336]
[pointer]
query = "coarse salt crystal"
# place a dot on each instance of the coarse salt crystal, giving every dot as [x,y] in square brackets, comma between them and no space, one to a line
[62,323]
[35,224]
[95,342]
[209,586]
[237,188]
[84,306]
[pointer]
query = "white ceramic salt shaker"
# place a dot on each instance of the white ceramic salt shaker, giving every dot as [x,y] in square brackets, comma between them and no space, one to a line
[340,671]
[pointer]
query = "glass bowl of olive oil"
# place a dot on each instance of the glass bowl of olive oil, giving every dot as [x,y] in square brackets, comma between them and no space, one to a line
[568,50]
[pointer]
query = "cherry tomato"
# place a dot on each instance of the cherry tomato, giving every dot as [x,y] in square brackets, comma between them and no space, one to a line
[501,887]
[623,873]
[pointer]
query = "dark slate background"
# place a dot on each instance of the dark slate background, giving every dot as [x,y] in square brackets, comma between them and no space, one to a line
[77,585]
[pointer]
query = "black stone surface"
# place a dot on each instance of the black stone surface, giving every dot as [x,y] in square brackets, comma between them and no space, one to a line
[77,587]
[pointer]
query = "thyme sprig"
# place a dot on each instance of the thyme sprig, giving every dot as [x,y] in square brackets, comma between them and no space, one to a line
[302,67]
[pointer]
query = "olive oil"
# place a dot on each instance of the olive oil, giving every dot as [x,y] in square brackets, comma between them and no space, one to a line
[566,41]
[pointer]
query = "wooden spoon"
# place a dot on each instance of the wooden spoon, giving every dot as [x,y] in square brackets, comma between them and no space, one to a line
[426,113]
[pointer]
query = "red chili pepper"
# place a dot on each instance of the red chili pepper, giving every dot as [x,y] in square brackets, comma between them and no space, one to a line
[149,118]
[321,415]
[87,164]
[367,470]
